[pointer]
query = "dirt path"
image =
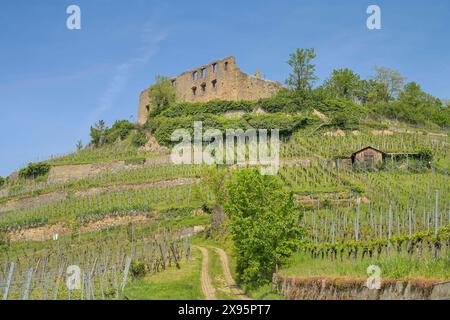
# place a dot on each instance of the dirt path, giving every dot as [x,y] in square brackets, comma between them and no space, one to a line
[207,287]
[228,277]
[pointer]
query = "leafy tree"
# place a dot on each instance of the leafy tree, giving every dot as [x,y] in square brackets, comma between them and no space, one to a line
[2,181]
[412,95]
[98,133]
[162,94]
[264,224]
[392,79]
[303,74]
[79,145]
[374,92]
[344,83]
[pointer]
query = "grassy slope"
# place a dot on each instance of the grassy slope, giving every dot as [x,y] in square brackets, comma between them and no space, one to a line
[185,283]
[395,267]
[171,284]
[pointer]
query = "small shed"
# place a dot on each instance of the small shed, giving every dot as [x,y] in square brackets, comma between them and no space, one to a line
[368,155]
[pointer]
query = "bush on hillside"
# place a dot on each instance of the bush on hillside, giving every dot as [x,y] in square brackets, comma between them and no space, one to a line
[426,155]
[216,106]
[120,130]
[101,134]
[139,139]
[163,127]
[2,181]
[34,170]
[287,124]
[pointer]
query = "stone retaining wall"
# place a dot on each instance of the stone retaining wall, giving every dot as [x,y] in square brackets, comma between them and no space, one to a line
[341,288]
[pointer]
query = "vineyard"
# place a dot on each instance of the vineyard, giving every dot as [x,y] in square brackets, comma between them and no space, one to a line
[119,225]
[106,263]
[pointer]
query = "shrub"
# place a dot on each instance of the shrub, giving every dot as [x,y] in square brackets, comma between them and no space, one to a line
[216,106]
[120,130]
[2,181]
[139,139]
[34,170]
[137,269]
[287,124]
[426,155]
[4,239]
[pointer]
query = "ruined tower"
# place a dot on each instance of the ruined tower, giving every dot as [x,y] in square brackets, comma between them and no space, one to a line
[221,79]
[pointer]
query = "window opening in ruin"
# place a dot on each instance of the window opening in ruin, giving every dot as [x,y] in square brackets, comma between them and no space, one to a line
[174,82]
[148,108]
[203,73]
[195,75]
[226,66]
[214,67]
[214,83]
[194,91]
[203,87]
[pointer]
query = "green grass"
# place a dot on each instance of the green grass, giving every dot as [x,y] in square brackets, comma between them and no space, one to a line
[265,293]
[262,293]
[223,291]
[103,154]
[395,267]
[171,284]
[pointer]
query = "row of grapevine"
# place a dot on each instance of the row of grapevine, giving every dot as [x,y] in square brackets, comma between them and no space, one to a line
[104,266]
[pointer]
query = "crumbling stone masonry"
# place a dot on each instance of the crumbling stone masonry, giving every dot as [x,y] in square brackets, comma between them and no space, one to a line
[221,79]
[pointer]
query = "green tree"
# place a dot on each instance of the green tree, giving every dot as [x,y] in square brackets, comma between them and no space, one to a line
[264,224]
[392,79]
[162,94]
[79,145]
[413,95]
[2,181]
[375,92]
[344,83]
[98,133]
[303,74]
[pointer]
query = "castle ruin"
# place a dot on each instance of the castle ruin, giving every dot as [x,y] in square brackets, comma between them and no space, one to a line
[221,79]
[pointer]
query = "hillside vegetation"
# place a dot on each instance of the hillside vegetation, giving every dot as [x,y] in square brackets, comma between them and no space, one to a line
[130,227]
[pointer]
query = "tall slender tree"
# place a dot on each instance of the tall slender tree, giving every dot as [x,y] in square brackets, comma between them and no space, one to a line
[303,73]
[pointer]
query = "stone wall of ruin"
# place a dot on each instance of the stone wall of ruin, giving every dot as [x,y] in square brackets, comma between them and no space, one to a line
[221,79]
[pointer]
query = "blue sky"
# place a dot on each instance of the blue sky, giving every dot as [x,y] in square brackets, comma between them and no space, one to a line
[55,83]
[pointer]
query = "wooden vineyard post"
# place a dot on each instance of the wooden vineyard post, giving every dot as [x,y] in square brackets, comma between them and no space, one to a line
[116,285]
[187,248]
[409,222]
[381,224]
[125,273]
[172,247]
[9,280]
[100,277]
[390,230]
[357,220]
[436,214]
[27,284]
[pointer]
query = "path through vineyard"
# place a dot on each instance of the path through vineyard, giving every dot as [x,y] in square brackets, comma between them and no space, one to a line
[228,277]
[208,289]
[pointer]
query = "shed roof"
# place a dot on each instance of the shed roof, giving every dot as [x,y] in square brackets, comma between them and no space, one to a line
[368,147]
